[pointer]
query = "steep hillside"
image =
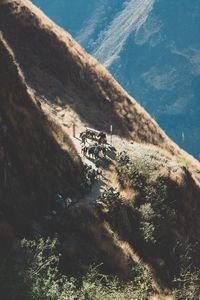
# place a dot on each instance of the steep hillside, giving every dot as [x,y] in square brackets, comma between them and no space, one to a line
[56,67]
[48,82]
[37,160]
[149,48]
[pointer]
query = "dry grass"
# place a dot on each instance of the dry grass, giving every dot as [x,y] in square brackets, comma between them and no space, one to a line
[35,167]
[59,68]
[77,78]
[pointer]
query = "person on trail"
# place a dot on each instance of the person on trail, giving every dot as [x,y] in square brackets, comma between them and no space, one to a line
[92,175]
[68,202]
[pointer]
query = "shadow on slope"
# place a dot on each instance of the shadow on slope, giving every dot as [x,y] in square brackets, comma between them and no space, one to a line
[162,221]
[34,166]
[55,65]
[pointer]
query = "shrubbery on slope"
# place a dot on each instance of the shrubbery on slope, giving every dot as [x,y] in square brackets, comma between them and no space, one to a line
[34,275]
[156,223]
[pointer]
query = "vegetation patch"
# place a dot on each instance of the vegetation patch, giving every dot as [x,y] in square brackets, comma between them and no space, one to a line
[34,274]
[155,212]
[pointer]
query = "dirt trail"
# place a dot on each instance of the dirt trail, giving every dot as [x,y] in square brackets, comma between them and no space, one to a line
[66,119]
[110,177]
[100,184]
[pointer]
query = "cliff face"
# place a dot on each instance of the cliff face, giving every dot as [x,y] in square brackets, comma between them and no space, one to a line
[34,166]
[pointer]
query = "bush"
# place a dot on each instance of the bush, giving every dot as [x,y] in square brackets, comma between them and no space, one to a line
[36,276]
[188,285]
[41,275]
[34,273]
[146,224]
[155,210]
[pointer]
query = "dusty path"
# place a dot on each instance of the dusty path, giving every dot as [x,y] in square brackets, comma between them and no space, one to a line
[59,115]
[100,184]
[66,119]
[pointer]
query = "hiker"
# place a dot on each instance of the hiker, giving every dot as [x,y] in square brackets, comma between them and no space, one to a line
[91,175]
[88,185]
[68,202]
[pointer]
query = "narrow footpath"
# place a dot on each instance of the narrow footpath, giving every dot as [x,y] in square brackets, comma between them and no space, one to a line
[100,183]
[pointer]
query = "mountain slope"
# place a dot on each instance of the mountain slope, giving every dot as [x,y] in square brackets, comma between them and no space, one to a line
[34,165]
[151,50]
[154,218]
[53,61]
[57,67]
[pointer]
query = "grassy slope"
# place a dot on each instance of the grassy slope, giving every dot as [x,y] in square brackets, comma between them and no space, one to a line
[56,66]
[34,167]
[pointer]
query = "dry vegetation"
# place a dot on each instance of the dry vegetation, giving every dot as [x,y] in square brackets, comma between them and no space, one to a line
[34,168]
[67,72]
[156,216]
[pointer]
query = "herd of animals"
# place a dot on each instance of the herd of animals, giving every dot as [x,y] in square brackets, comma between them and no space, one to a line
[95,147]
[94,144]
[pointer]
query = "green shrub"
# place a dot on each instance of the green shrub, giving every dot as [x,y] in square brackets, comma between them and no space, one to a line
[155,211]
[41,275]
[187,285]
[34,275]
[38,278]
[146,225]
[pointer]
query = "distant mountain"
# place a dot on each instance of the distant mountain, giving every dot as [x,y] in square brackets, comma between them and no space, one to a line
[152,47]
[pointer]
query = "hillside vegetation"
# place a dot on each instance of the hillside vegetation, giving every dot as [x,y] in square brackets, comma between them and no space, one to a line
[132,244]
[56,66]
[34,167]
